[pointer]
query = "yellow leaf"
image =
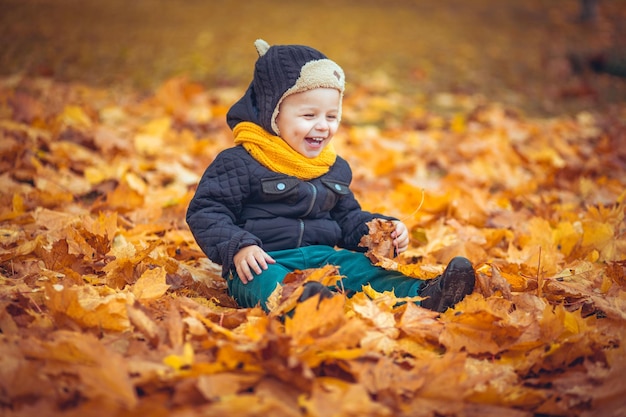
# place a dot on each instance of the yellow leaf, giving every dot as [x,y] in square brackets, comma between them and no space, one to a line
[9,236]
[151,139]
[136,183]
[566,236]
[546,155]
[74,116]
[596,234]
[18,204]
[151,284]
[457,124]
[571,323]
[183,361]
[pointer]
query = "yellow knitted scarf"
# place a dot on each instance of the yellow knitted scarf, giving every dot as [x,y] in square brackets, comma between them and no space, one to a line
[275,154]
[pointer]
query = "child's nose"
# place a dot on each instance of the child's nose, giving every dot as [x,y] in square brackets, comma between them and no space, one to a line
[322,124]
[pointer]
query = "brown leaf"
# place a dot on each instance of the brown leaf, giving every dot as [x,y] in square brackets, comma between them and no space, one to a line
[331,396]
[420,324]
[150,285]
[100,374]
[378,240]
[142,322]
[213,387]
[479,325]
[88,306]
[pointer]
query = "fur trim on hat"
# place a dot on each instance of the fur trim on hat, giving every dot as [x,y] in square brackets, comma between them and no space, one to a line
[322,73]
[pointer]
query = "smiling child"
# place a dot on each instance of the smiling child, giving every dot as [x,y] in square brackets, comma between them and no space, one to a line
[280,200]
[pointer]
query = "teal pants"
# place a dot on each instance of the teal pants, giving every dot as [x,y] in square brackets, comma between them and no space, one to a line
[355,268]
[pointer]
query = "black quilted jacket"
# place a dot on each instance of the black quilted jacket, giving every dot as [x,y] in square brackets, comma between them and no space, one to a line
[239,203]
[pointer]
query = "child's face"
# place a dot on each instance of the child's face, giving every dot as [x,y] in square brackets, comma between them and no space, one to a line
[308,121]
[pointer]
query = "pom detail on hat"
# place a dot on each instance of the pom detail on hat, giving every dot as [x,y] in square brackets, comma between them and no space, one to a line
[261,46]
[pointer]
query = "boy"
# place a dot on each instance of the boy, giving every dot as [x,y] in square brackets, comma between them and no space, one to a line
[280,200]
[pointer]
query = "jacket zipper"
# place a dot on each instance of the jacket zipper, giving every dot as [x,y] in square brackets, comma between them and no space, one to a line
[307,213]
[301,232]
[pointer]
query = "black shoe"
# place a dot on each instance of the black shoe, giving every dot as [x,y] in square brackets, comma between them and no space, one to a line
[312,288]
[452,286]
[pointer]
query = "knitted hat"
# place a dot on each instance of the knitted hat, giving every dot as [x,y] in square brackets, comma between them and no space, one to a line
[282,70]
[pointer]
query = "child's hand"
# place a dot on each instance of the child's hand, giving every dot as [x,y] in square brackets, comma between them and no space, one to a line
[251,258]
[400,237]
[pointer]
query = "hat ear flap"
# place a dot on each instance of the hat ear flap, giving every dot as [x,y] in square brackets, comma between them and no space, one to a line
[261,46]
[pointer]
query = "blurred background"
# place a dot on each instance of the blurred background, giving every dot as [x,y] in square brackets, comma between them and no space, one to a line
[543,57]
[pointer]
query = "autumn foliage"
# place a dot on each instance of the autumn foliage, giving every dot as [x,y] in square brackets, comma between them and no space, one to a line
[108,307]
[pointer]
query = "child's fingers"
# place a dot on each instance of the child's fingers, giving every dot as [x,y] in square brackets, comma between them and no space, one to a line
[401,237]
[243,271]
[261,261]
[246,267]
[251,260]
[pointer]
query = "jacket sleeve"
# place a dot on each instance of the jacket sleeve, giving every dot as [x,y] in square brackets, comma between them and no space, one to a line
[351,218]
[213,211]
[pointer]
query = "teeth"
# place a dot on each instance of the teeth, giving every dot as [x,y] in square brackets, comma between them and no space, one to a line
[317,139]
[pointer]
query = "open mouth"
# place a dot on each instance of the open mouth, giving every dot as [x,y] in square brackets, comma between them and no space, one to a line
[314,141]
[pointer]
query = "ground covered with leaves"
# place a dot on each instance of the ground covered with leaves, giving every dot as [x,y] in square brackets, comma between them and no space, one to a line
[109,308]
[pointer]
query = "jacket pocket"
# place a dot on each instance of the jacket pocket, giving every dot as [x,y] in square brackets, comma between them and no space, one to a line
[284,189]
[337,190]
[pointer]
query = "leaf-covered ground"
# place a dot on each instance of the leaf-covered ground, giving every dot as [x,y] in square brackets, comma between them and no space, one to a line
[108,307]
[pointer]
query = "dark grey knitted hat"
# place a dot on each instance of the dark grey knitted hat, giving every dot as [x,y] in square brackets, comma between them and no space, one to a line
[282,70]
